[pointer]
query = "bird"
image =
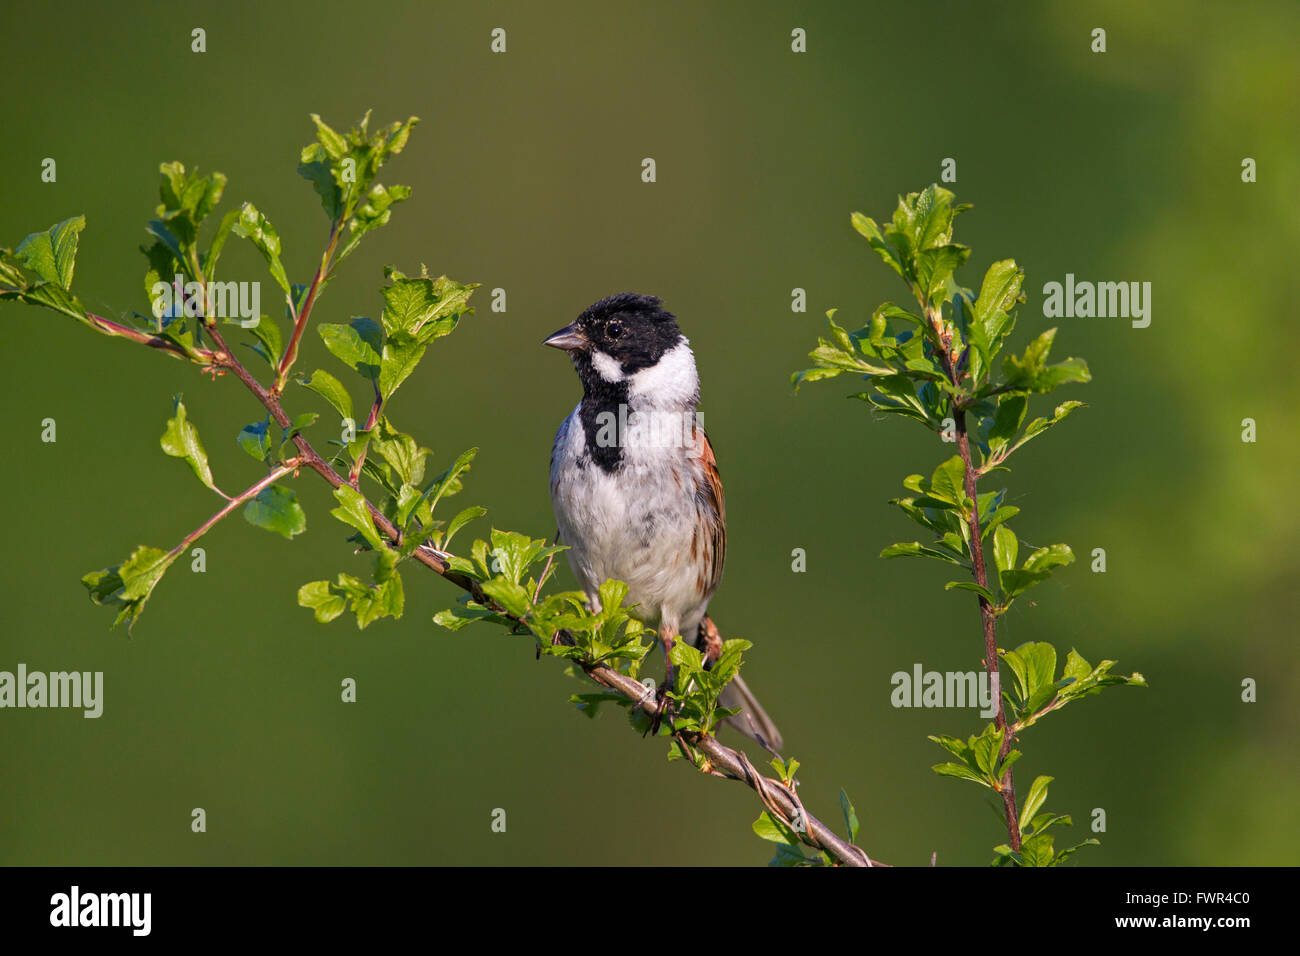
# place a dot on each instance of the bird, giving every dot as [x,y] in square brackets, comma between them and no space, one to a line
[635,484]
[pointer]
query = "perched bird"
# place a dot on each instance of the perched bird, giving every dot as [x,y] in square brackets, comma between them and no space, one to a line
[635,485]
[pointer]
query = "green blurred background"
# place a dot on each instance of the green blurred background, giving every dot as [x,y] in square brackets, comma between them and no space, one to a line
[526,176]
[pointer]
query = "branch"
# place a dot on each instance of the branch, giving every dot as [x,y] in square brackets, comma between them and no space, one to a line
[988,618]
[251,492]
[354,476]
[300,320]
[109,327]
[723,761]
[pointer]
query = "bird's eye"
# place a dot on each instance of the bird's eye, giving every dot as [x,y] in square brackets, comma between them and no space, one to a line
[614,330]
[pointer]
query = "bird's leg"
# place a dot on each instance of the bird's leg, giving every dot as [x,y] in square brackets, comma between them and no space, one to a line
[667,636]
[710,641]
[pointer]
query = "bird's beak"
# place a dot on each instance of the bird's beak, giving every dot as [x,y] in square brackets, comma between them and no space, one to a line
[568,338]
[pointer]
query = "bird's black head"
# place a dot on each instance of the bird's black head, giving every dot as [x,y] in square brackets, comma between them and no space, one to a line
[618,336]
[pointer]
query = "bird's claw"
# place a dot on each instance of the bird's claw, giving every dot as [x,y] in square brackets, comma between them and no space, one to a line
[667,709]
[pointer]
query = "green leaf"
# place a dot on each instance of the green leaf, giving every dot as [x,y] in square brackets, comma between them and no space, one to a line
[387,599]
[331,389]
[1069,851]
[999,292]
[52,254]
[787,856]
[422,307]
[1007,419]
[321,598]
[369,603]
[316,165]
[180,439]
[1040,425]
[400,451]
[1076,668]
[934,213]
[453,619]
[300,422]
[353,511]
[948,481]
[128,586]
[986,747]
[256,440]
[342,169]
[276,509]
[1029,372]
[770,828]
[373,213]
[357,345]
[868,228]
[813,375]
[1034,800]
[1033,665]
[218,243]
[972,586]
[396,364]
[1005,548]
[256,228]
[1038,567]
[917,550]
[1052,556]
[268,333]
[961,772]
[1037,850]
[999,516]
[934,267]
[458,522]
[850,816]
[449,482]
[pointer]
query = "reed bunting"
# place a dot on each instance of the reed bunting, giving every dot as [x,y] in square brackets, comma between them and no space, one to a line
[635,485]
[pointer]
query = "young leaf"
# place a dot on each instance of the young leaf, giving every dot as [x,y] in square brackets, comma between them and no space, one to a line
[850,816]
[180,439]
[52,254]
[352,511]
[276,509]
[129,585]
[331,389]
[321,598]
[917,550]
[1033,800]
[256,440]
[947,482]
[972,586]
[357,345]
[256,228]
[1005,548]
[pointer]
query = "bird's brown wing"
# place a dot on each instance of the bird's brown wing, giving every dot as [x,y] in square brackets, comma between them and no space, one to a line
[713,507]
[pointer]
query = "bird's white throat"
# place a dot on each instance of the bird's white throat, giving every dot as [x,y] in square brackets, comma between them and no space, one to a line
[672,382]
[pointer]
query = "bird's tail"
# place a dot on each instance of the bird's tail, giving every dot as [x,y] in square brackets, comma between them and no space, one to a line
[752,721]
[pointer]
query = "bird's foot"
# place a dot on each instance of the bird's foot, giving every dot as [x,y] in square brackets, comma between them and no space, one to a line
[666,709]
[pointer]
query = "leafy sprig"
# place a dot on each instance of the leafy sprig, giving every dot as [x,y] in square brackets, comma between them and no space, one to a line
[937,363]
[393,511]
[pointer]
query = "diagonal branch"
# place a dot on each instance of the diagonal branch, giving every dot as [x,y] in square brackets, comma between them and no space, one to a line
[248,494]
[721,760]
